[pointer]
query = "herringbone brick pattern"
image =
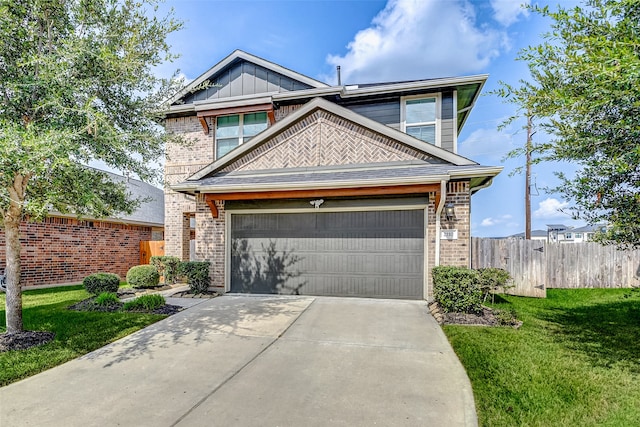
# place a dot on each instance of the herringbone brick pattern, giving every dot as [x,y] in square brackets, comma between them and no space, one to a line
[323,139]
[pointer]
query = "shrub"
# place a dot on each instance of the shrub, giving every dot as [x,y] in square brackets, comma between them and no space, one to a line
[167,267]
[107,298]
[506,317]
[143,276]
[457,289]
[493,280]
[197,273]
[101,282]
[145,302]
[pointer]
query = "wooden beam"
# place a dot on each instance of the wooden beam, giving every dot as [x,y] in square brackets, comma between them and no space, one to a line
[332,192]
[236,110]
[212,206]
[205,125]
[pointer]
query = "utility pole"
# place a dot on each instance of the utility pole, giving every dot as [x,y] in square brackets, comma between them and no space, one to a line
[527,190]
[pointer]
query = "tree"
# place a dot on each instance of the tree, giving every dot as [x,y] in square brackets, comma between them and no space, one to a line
[584,92]
[77,84]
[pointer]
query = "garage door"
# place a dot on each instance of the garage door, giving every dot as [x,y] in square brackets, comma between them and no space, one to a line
[364,254]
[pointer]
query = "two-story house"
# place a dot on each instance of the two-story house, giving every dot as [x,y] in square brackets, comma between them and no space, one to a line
[560,233]
[300,187]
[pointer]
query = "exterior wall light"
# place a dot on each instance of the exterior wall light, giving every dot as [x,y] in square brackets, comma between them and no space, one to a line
[449,212]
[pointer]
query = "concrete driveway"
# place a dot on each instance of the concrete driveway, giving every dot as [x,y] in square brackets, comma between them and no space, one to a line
[260,361]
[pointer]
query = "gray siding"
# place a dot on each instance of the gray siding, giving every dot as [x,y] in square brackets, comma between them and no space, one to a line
[245,78]
[447,130]
[387,113]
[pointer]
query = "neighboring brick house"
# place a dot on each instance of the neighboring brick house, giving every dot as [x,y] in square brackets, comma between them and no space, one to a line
[305,188]
[63,249]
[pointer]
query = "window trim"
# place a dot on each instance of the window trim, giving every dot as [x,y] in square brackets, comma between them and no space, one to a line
[437,122]
[240,130]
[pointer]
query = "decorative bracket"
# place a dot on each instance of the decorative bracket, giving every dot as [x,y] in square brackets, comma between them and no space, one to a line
[212,205]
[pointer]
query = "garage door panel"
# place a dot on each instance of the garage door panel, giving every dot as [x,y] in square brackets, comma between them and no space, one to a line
[372,253]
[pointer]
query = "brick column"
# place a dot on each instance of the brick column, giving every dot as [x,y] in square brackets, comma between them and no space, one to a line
[210,240]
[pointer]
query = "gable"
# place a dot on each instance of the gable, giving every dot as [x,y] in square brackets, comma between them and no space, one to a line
[324,139]
[322,133]
[243,75]
[244,78]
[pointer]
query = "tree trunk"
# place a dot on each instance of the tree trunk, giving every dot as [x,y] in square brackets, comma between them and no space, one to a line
[14,289]
[12,219]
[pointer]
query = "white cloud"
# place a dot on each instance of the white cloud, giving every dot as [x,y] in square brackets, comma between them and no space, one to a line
[417,39]
[508,12]
[551,208]
[490,143]
[489,222]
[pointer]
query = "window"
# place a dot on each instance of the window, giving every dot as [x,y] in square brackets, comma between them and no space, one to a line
[578,235]
[420,118]
[232,131]
[567,236]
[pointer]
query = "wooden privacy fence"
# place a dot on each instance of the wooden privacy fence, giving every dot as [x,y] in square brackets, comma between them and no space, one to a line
[536,265]
[150,248]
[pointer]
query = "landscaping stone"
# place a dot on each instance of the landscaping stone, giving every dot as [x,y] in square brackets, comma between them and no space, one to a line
[188,294]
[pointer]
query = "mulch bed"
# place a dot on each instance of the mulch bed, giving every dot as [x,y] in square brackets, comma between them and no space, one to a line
[90,305]
[486,318]
[24,340]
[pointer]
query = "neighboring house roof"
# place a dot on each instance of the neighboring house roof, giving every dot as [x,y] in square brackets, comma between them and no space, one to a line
[558,227]
[534,233]
[589,228]
[151,210]
[439,164]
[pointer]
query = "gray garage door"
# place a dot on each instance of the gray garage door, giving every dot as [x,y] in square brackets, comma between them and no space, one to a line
[365,254]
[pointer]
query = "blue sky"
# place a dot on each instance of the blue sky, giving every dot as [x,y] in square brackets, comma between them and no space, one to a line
[388,41]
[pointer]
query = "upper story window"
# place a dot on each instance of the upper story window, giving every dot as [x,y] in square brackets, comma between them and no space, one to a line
[233,130]
[420,118]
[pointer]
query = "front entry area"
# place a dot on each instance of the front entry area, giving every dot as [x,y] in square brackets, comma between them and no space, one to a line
[372,253]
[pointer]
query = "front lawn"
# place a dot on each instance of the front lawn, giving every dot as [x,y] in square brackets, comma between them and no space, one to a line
[77,332]
[574,362]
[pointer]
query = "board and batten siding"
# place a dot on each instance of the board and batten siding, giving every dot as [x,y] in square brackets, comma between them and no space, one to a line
[447,123]
[245,78]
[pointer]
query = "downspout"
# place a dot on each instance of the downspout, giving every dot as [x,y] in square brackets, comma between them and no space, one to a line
[443,197]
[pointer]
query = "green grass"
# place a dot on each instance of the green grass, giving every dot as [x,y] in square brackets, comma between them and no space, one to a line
[77,333]
[574,362]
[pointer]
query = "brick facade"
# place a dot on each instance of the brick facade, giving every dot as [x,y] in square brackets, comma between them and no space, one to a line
[452,252]
[320,139]
[181,162]
[457,252]
[65,250]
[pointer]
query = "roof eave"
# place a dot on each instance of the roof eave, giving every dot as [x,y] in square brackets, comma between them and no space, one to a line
[196,188]
[416,85]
